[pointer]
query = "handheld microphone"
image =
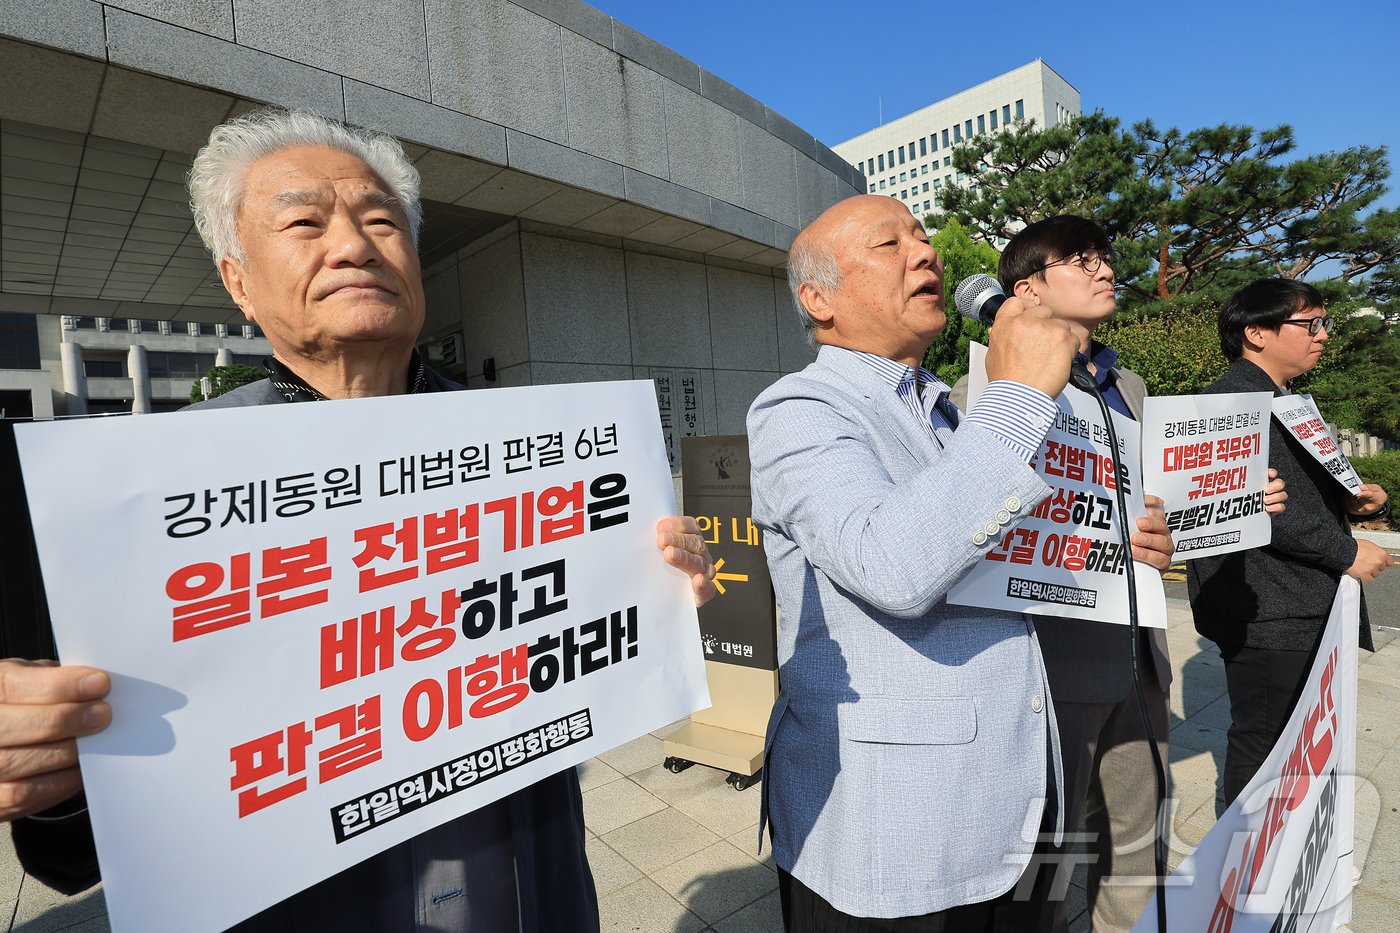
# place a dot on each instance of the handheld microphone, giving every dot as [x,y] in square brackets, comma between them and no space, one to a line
[979,297]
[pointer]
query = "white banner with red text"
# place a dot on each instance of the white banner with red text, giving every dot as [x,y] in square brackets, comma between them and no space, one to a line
[1299,416]
[1207,456]
[1064,559]
[1279,858]
[333,626]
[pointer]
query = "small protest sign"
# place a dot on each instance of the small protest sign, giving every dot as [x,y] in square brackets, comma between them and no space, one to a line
[1299,416]
[1207,457]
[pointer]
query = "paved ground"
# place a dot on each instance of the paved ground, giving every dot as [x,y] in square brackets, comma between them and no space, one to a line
[675,853]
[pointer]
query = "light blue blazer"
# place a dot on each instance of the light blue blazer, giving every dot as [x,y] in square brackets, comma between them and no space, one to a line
[909,750]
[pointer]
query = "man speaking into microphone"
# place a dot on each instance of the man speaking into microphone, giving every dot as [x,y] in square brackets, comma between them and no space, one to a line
[1063,267]
[913,740]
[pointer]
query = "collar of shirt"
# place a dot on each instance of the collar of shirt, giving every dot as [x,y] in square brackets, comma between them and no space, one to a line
[1104,358]
[922,392]
[296,389]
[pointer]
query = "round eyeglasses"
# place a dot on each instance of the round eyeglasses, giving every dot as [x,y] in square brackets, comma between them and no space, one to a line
[1313,324]
[1089,260]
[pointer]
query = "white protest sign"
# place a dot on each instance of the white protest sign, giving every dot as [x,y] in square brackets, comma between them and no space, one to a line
[1279,858]
[333,626]
[1299,416]
[1207,456]
[1064,559]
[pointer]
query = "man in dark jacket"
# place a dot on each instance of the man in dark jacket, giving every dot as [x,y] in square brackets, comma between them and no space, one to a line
[314,228]
[1266,608]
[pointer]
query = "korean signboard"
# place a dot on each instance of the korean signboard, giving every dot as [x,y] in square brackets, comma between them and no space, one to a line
[1207,456]
[737,627]
[333,626]
[1065,559]
[1299,416]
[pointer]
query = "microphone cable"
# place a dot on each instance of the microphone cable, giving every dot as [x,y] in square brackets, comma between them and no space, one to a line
[1082,379]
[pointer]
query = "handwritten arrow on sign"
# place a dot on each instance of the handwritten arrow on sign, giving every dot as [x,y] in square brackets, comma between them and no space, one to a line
[720,577]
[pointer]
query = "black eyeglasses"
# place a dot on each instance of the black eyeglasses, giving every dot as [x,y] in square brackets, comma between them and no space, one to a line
[1088,260]
[1313,324]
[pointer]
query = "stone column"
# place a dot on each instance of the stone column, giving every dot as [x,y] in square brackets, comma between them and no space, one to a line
[75,393]
[140,380]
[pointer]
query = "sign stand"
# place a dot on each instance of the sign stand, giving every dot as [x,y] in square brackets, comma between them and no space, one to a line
[738,627]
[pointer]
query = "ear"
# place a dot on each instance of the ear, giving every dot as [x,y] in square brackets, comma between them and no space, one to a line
[815,304]
[231,272]
[1254,336]
[1025,290]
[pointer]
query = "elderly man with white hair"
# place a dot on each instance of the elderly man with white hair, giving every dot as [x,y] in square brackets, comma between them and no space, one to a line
[314,227]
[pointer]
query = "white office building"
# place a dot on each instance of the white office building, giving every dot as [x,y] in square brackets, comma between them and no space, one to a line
[911,158]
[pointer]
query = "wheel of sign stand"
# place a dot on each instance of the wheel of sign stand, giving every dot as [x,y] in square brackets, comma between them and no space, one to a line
[676,765]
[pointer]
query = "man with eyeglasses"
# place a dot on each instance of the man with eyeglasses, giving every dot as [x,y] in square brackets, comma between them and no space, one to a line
[1064,264]
[1266,608]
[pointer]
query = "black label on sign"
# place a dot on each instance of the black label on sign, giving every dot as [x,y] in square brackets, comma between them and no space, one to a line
[738,626]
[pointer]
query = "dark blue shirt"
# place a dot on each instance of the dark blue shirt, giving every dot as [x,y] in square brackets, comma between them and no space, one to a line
[1105,358]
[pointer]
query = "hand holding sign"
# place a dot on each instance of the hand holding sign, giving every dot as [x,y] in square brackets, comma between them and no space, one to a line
[1152,542]
[43,709]
[1369,500]
[683,547]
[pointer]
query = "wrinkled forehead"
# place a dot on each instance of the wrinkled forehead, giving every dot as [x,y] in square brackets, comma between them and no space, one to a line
[315,176]
[875,217]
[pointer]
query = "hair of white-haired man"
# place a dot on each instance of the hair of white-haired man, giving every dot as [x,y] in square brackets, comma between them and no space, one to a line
[812,263]
[217,175]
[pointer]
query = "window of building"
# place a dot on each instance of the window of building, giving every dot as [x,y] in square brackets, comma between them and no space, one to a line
[903,195]
[1006,113]
[882,163]
[959,175]
[178,365]
[925,186]
[923,147]
[969,129]
[947,161]
[948,180]
[933,142]
[901,155]
[923,169]
[981,124]
[925,205]
[882,184]
[945,139]
[937,183]
[19,341]
[911,150]
[1020,109]
[957,134]
[869,168]
[891,158]
[903,176]
[104,369]
[937,202]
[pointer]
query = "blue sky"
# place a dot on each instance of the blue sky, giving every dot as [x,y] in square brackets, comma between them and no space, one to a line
[1329,69]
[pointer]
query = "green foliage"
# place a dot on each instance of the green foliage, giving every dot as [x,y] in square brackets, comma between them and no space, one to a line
[1199,212]
[225,379]
[962,256]
[1383,469]
[1176,352]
